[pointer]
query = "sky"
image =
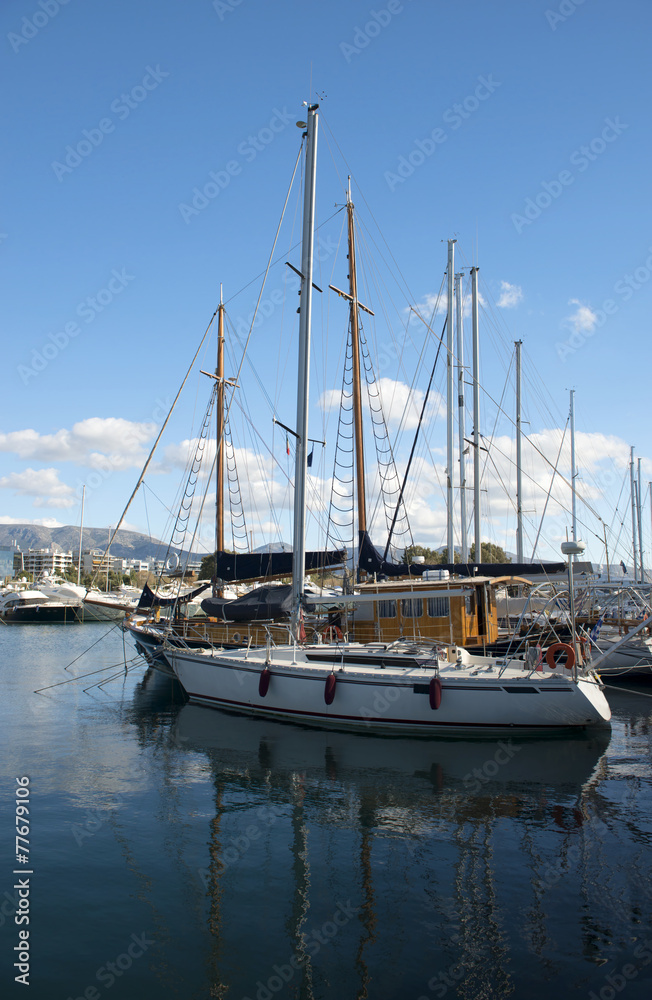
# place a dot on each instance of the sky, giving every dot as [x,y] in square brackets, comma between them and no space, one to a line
[149,151]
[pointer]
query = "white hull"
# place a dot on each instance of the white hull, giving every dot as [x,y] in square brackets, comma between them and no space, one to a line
[631,656]
[382,692]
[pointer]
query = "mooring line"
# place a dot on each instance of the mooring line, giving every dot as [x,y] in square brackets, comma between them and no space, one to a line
[617,687]
[90,647]
[100,684]
[79,677]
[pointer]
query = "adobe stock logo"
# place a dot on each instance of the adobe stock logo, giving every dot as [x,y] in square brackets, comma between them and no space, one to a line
[30,26]
[122,107]
[455,116]
[581,159]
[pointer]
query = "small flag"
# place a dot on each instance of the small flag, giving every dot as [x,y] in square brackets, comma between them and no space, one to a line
[310,458]
[623,566]
[287,444]
[595,631]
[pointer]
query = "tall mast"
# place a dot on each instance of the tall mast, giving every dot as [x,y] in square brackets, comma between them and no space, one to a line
[219,438]
[464,554]
[305,316]
[632,483]
[357,388]
[649,486]
[81,533]
[476,415]
[450,389]
[573,469]
[519,483]
[639,493]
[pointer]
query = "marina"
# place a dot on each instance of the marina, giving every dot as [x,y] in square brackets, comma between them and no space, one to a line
[326,501]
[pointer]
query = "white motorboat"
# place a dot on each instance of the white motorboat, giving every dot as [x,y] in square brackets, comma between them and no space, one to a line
[33,607]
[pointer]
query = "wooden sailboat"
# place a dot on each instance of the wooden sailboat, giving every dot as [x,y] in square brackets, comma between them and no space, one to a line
[425,688]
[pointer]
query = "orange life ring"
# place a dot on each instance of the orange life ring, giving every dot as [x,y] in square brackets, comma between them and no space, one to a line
[556,648]
[332,632]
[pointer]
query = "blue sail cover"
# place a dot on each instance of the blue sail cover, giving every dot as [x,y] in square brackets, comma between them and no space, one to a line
[148,599]
[371,562]
[235,566]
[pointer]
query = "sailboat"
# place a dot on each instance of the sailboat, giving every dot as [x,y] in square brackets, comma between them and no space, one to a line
[412,687]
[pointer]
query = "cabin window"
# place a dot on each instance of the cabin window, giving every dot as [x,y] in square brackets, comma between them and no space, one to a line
[412,607]
[387,609]
[469,602]
[438,607]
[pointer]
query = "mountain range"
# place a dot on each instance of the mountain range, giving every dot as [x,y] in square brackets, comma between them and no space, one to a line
[127,544]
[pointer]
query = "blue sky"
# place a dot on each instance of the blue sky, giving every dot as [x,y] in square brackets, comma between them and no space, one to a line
[520,129]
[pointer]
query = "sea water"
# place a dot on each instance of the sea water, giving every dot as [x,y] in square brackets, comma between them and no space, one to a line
[180,852]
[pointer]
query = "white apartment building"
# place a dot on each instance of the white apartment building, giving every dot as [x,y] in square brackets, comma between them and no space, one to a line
[94,561]
[39,561]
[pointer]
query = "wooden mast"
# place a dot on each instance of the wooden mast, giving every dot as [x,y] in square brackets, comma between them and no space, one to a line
[357,388]
[219,458]
[354,314]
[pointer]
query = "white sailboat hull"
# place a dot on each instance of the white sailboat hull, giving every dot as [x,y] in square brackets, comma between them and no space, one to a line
[394,697]
[635,655]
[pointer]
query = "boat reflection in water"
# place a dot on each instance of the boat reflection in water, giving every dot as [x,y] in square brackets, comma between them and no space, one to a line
[390,867]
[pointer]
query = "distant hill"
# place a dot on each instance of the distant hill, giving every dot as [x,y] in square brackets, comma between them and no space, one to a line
[127,544]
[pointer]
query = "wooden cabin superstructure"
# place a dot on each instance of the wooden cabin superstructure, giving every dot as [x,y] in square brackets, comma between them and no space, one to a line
[459,610]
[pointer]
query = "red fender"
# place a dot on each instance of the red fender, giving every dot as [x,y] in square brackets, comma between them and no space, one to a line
[329,690]
[435,693]
[263,683]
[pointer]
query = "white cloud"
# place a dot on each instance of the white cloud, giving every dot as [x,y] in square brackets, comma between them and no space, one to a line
[397,400]
[330,400]
[583,320]
[89,442]
[43,522]
[510,295]
[42,484]
[430,304]
[400,403]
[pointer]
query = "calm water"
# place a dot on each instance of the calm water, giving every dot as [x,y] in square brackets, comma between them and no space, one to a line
[184,852]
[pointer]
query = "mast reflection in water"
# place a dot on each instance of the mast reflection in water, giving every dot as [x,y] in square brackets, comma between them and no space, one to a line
[262,859]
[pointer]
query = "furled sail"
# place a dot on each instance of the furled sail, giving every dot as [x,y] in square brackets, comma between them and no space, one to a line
[149,599]
[248,566]
[370,561]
